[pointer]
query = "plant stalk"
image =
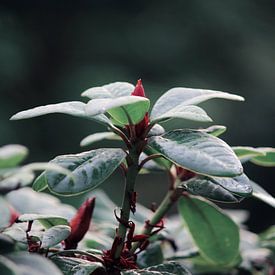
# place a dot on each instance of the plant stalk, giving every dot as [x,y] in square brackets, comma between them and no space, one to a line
[131,175]
[171,197]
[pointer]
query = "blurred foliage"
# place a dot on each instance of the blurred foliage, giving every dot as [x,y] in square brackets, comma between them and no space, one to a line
[53,51]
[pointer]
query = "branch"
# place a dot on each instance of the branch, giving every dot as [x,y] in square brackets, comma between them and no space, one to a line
[153,156]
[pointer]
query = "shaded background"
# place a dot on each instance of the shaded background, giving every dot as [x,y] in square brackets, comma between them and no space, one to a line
[51,52]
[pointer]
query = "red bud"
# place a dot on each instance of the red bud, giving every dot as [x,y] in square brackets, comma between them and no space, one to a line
[13,215]
[80,223]
[184,174]
[139,90]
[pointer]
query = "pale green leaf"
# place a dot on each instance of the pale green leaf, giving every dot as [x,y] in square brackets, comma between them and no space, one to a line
[55,235]
[215,130]
[40,183]
[215,234]
[120,108]
[156,130]
[197,151]
[245,153]
[186,96]
[261,194]
[98,137]
[194,113]
[9,267]
[89,169]
[267,160]
[46,220]
[11,155]
[4,213]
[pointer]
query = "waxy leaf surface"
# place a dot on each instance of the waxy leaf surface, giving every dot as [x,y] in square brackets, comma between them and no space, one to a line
[245,153]
[88,168]
[203,186]
[261,194]
[120,108]
[112,90]
[197,151]
[55,235]
[267,160]
[194,113]
[215,130]
[11,155]
[214,233]
[98,137]
[186,96]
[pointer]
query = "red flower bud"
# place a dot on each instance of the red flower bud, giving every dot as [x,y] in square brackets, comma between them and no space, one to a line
[13,215]
[184,174]
[80,223]
[142,125]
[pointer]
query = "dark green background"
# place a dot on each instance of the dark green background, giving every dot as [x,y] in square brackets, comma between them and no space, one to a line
[50,51]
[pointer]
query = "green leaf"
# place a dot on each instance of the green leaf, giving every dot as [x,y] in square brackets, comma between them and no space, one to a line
[120,108]
[40,183]
[215,234]
[267,160]
[261,194]
[169,268]
[156,130]
[150,165]
[186,96]
[194,113]
[8,267]
[4,213]
[197,151]
[215,130]
[112,90]
[98,137]
[245,153]
[163,162]
[11,155]
[76,266]
[33,264]
[55,235]
[203,186]
[89,169]
[7,244]
[46,220]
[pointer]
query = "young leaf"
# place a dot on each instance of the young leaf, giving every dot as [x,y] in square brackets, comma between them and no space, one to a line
[261,194]
[203,186]
[111,90]
[267,160]
[245,153]
[120,108]
[46,220]
[197,151]
[98,137]
[186,96]
[55,235]
[194,113]
[215,234]
[88,168]
[11,155]
[40,183]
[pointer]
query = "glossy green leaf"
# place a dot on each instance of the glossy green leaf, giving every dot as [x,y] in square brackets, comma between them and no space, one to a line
[11,155]
[267,160]
[186,96]
[46,220]
[169,268]
[215,234]
[98,137]
[112,90]
[88,168]
[55,235]
[215,130]
[9,267]
[33,264]
[197,151]
[120,108]
[203,186]
[261,194]
[245,153]
[194,113]
[4,213]
[40,184]
[163,162]
[76,266]
[156,130]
